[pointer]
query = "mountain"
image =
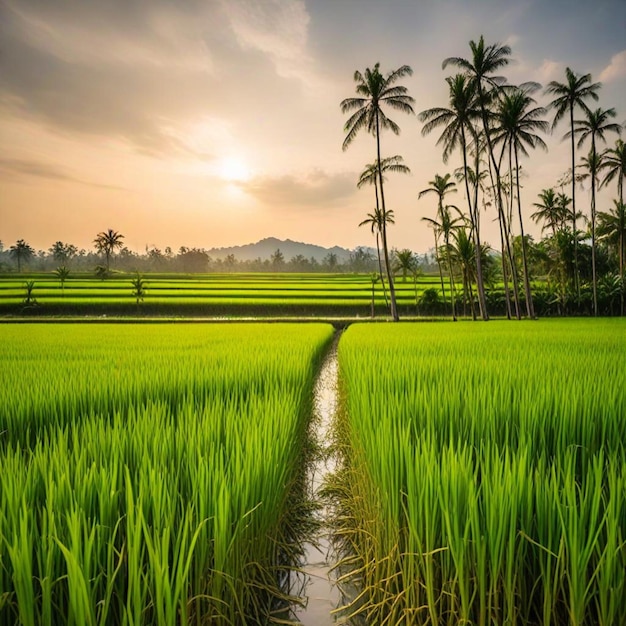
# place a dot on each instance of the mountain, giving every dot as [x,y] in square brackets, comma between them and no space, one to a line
[266,247]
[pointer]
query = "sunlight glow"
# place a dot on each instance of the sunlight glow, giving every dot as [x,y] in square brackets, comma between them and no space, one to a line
[233,169]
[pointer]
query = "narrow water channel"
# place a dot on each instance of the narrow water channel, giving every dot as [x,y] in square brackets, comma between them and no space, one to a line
[322,594]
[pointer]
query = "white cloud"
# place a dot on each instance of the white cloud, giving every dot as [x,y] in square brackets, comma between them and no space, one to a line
[615,69]
[278,28]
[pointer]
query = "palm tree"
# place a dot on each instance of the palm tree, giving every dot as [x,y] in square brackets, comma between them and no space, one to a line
[551,211]
[405,263]
[568,96]
[106,242]
[612,228]
[591,166]
[614,161]
[463,254]
[459,131]
[485,61]
[518,123]
[374,91]
[446,226]
[595,125]
[369,176]
[21,252]
[62,273]
[441,185]
[375,222]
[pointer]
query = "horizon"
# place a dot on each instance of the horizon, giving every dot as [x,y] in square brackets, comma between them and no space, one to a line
[210,124]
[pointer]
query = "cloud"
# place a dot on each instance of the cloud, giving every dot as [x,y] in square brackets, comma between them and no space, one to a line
[615,69]
[23,168]
[143,71]
[316,189]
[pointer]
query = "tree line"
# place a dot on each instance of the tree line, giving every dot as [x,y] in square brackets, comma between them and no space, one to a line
[109,254]
[490,125]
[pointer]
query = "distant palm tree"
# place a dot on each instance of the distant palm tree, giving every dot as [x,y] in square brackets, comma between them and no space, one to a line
[62,273]
[405,263]
[595,125]
[369,176]
[459,131]
[517,125]
[551,211]
[375,222]
[21,252]
[446,227]
[568,96]
[440,185]
[106,242]
[374,91]
[614,161]
[463,254]
[612,228]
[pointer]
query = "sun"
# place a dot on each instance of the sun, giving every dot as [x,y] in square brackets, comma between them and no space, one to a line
[233,169]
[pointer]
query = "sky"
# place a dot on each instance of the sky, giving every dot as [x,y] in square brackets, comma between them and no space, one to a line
[212,123]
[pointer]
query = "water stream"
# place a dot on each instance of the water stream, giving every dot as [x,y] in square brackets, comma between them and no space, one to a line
[320,590]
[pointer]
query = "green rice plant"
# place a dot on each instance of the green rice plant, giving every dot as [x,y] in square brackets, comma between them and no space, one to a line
[150,473]
[482,475]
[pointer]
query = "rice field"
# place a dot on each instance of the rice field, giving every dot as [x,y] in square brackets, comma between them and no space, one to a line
[150,475]
[210,294]
[484,473]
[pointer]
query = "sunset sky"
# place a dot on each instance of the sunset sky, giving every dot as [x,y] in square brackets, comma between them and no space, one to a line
[216,122]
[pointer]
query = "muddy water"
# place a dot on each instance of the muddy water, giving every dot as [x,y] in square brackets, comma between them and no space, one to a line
[321,593]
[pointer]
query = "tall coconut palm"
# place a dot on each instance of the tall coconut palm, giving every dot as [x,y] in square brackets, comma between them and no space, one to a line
[375,91]
[485,61]
[594,126]
[459,132]
[612,228]
[440,185]
[106,242]
[614,162]
[518,122]
[568,96]
[21,251]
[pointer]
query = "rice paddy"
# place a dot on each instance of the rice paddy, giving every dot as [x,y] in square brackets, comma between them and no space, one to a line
[484,473]
[210,294]
[154,474]
[150,474]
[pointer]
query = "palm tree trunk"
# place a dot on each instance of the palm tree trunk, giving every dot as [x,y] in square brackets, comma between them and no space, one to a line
[576,274]
[380,269]
[498,184]
[594,279]
[530,310]
[474,219]
[392,293]
[443,289]
[507,295]
[451,279]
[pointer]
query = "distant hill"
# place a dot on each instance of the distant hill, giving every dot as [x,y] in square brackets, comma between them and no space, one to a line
[266,247]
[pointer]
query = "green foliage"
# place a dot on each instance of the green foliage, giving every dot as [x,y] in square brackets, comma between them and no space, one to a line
[30,287]
[139,288]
